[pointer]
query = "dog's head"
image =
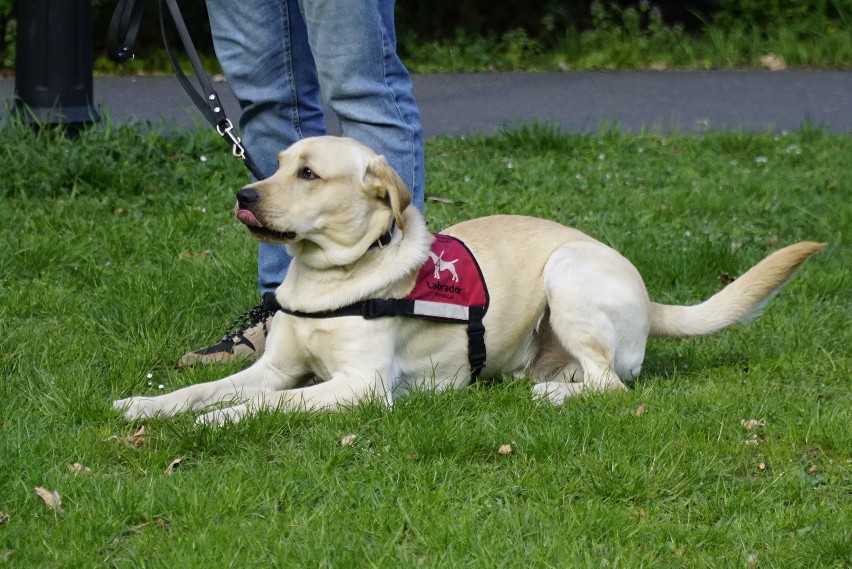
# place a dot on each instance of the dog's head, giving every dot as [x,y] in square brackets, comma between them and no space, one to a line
[329,193]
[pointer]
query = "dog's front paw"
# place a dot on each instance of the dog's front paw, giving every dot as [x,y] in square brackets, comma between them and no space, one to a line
[556,392]
[134,408]
[221,417]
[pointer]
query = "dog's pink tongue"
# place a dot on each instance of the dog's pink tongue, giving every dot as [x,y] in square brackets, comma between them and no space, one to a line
[248,218]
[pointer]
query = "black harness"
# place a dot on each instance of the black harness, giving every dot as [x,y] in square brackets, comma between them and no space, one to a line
[418,305]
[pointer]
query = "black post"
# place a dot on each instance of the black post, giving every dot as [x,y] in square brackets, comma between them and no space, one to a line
[53,62]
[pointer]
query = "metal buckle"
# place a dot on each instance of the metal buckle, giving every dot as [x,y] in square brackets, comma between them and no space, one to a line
[236,144]
[376,308]
[124,54]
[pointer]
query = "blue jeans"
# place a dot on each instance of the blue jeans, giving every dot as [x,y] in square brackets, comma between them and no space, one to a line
[280,55]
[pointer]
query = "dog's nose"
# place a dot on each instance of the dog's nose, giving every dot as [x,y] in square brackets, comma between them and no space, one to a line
[247,197]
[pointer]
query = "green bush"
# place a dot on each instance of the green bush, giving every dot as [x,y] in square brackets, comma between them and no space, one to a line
[7,32]
[441,20]
[514,34]
[541,21]
[770,15]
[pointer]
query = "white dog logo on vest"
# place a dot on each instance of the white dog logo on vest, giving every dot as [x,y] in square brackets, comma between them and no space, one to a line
[442,265]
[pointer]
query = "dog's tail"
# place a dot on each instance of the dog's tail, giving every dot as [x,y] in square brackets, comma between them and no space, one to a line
[739,302]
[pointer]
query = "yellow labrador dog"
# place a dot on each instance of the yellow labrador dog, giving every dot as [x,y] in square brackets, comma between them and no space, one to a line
[562,308]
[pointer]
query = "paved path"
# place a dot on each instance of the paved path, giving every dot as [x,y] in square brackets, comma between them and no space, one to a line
[458,104]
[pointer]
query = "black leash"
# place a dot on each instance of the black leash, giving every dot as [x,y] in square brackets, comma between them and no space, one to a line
[123,29]
[121,37]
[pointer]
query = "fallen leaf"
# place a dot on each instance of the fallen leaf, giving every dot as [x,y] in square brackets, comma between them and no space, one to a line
[658,66]
[348,440]
[156,522]
[139,528]
[751,424]
[806,530]
[813,469]
[640,410]
[773,62]
[439,199]
[753,441]
[4,517]
[137,439]
[505,450]
[50,498]
[77,469]
[751,560]
[194,255]
[173,465]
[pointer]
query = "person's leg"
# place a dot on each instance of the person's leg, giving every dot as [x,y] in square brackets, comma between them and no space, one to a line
[365,83]
[263,49]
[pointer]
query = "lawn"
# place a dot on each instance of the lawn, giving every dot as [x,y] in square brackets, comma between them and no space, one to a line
[120,253]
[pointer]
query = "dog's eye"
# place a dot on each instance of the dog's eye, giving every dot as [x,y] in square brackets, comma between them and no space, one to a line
[307,174]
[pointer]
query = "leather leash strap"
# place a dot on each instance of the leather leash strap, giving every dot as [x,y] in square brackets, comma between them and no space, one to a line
[121,37]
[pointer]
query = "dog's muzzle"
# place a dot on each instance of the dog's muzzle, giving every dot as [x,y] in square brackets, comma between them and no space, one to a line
[246,199]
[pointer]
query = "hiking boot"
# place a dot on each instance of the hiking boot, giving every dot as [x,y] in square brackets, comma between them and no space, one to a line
[245,338]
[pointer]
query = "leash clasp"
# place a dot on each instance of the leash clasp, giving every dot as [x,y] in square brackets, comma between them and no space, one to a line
[225,130]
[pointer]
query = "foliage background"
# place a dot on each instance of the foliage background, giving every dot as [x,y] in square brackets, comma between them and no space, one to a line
[535,24]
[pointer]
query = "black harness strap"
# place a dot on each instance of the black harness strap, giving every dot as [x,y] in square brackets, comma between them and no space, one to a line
[476,341]
[379,308]
[123,29]
[367,309]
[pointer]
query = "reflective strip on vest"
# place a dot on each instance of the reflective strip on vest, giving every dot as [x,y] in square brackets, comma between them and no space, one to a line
[441,310]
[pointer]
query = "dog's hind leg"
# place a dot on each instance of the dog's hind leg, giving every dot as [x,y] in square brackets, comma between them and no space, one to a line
[556,374]
[591,371]
[599,313]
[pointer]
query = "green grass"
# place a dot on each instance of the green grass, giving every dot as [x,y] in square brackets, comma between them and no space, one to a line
[120,253]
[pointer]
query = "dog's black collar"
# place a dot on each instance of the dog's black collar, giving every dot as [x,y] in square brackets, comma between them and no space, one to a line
[385,239]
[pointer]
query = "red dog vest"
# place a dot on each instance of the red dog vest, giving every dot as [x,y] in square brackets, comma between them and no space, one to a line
[449,283]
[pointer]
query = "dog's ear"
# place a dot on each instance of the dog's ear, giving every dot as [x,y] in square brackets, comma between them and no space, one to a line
[387,185]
